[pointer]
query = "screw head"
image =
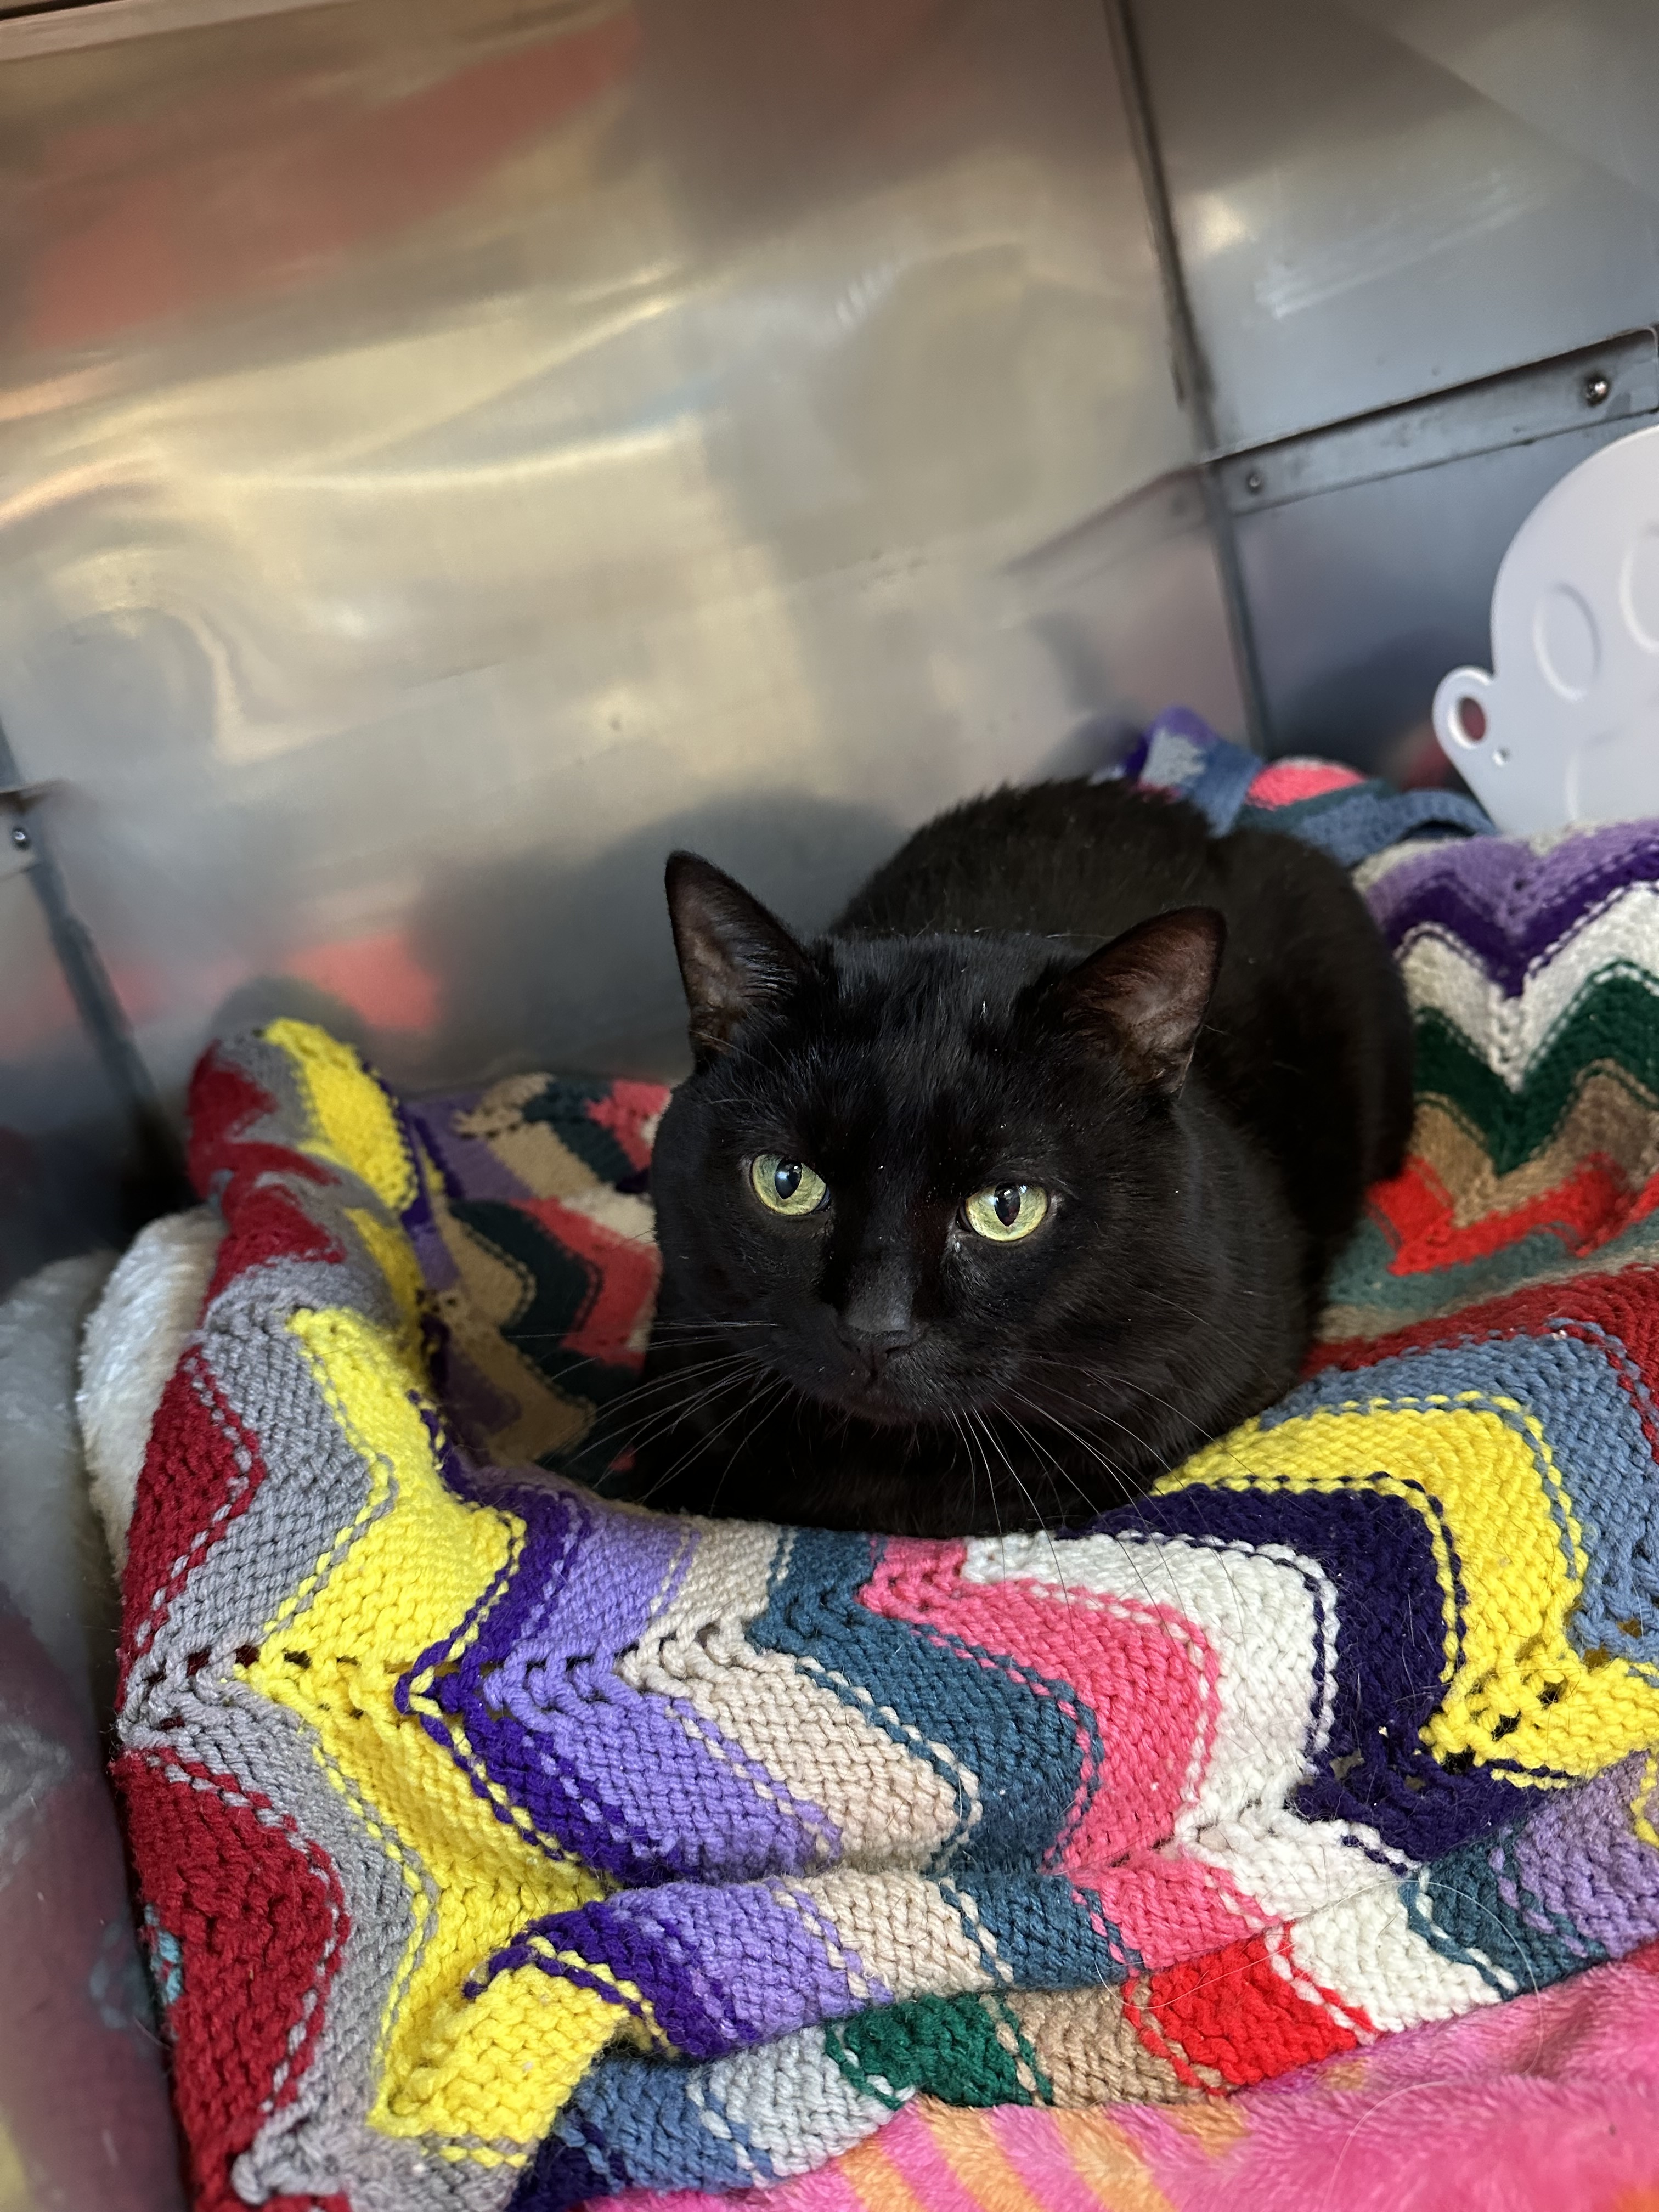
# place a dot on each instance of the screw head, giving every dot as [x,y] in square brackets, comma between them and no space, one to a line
[1253,482]
[1597,388]
[19,836]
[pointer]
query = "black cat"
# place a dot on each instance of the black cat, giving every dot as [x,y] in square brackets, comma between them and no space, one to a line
[969,1222]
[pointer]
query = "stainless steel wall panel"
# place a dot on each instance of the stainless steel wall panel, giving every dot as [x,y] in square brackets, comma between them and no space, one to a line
[1363,596]
[450,451]
[1376,199]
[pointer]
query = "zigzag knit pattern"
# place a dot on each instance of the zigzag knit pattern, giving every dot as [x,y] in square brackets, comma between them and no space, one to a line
[500,1844]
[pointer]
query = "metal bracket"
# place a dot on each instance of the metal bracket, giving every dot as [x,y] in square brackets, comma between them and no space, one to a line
[1617,381]
[161,1182]
[20,797]
[16,843]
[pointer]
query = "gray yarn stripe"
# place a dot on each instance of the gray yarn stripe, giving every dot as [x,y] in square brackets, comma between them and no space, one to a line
[315,1483]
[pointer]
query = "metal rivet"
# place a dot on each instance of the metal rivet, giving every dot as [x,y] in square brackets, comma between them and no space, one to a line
[19,836]
[1253,482]
[1596,388]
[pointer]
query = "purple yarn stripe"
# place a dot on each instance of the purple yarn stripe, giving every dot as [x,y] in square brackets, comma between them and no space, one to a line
[1510,906]
[468,1164]
[1580,1856]
[720,1967]
[613,1770]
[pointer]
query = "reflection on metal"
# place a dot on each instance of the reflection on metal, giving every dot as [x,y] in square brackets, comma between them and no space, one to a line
[451,452]
[1381,207]
[84,2119]
[1380,198]
[452,449]
[57,25]
[1615,384]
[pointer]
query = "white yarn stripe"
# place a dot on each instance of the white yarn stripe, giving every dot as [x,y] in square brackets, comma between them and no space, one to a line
[1512,1034]
[1291,1867]
[903,1929]
[1367,1951]
[1370,873]
[1255,1605]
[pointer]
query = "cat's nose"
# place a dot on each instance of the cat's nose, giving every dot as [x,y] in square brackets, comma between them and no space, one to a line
[874,1346]
[878,1316]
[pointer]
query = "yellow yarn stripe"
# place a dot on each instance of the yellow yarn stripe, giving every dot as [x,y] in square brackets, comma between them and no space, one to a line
[397,1580]
[1506,1512]
[394,1256]
[352,1126]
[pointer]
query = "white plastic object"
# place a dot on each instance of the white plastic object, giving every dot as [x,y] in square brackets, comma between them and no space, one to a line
[1565,728]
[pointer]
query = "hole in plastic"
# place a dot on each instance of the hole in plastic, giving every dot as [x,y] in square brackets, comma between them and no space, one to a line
[1500,756]
[1468,721]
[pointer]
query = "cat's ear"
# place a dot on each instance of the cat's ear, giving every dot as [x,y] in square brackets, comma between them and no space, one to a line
[734,956]
[1147,992]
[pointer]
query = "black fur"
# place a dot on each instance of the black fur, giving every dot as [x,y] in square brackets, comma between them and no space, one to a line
[877,1364]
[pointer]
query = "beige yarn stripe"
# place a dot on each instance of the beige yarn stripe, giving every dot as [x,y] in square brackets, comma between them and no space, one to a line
[889,1802]
[1607,1118]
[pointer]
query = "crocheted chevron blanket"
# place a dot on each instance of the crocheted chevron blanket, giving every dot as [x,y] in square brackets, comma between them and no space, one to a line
[500,1844]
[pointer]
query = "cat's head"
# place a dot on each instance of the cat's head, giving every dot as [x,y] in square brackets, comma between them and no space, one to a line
[912,1174]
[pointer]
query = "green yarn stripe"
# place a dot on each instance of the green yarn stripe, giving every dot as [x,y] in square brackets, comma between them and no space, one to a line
[946,2047]
[1612,1026]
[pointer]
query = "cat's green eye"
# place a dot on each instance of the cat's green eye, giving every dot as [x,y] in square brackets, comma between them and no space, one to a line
[786,1186]
[1007,1212]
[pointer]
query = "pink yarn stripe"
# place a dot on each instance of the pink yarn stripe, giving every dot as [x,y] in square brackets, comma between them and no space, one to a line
[1149,1679]
[1287,781]
[1171,1908]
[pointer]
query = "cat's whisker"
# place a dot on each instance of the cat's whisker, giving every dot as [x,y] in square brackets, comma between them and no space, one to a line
[671,1403]
[990,1480]
[1169,1405]
[570,1372]
[1039,922]
[1020,1429]
[1168,1559]
[985,1460]
[1093,1451]
[1133,1500]
[973,1470]
[1036,1518]
[654,1386]
[702,1443]
[522,1336]
[1099,1413]
[669,1412]
[1127,1551]
[987,1439]
[700,1438]
[717,1327]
